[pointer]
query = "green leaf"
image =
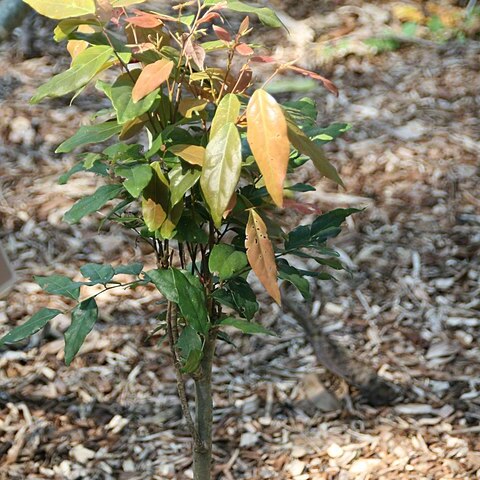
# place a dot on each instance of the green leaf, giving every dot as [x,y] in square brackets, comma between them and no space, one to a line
[31,326]
[98,273]
[225,338]
[221,171]
[325,135]
[164,281]
[246,327]
[92,203]
[299,237]
[97,168]
[120,93]
[67,26]
[138,176]
[301,187]
[179,288]
[60,285]
[181,180]
[304,145]
[90,134]
[330,262]
[266,15]
[226,261]
[190,345]
[238,294]
[191,301]
[84,67]
[193,361]
[188,230]
[188,341]
[294,276]
[91,159]
[84,316]
[334,219]
[59,9]
[227,112]
[303,110]
[156,199]
[132,269]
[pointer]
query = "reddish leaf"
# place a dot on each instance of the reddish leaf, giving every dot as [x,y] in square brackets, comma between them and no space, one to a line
[260,254]
[330,86]
[222,34]
[268,138]
[244,26]
[231,205]
[195,52]
[244,49]
[145,20]
[152,76]
[304,208]
[208,17]
[244,80]
[263,59]
[158,15]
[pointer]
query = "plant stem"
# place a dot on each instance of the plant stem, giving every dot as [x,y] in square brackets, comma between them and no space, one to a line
[202,450]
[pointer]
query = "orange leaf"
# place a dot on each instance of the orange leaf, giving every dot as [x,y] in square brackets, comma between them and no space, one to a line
[260,254]
[329,85]
[145,20]
[75,47]
[192,154]
[244,49]
[263,59]
[302,207]
[244,26]
[268,138]
[231,205]
[208,17]
[151,78]
[222,34]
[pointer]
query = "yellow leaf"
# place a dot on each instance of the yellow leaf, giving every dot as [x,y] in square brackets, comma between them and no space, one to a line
[221,172]
[192,154]
[227,111]
[75,47]
[170,223]
[155,199]
[188,106]
[260,254]
[60,9]
[152,76]
[132,127]
[268,139]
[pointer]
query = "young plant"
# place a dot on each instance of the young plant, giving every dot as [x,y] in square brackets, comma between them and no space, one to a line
[203,186]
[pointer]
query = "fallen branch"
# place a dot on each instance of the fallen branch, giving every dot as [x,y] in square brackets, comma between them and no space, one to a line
[331,355]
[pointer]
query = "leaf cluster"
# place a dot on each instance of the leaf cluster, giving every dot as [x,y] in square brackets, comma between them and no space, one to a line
[199,163]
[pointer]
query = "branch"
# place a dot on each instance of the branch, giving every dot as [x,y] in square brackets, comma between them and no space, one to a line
[171,317]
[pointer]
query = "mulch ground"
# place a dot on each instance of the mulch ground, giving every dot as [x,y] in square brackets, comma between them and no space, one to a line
[410,305]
